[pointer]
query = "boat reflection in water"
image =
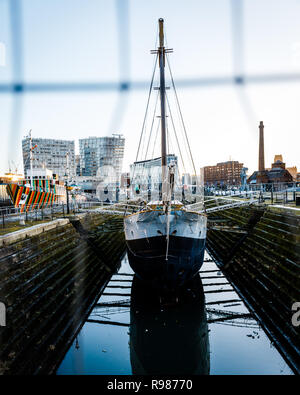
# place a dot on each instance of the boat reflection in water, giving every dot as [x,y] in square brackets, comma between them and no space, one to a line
[168,336]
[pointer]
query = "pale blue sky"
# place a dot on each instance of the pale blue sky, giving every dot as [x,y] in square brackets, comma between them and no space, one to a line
[78,41]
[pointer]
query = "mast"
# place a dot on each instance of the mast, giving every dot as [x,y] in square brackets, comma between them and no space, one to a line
[161,52]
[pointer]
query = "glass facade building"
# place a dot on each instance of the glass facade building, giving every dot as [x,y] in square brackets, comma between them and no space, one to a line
[102,156]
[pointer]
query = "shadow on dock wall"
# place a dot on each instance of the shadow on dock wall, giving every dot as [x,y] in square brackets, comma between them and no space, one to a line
[49,284]
[264,267]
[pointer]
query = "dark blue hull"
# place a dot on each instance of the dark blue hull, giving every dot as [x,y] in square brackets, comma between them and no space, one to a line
[147,257]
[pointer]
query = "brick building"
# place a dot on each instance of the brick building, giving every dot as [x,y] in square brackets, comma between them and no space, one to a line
[224,173]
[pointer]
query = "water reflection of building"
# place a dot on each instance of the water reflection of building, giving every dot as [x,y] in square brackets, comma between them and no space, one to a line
[169,339]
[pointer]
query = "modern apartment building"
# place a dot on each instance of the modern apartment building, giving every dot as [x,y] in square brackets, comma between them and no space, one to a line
[99,154]
[50,154]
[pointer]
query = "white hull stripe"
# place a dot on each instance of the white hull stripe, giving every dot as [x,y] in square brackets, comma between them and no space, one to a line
[154,223]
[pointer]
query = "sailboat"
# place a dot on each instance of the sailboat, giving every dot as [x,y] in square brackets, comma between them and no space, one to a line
[165,240]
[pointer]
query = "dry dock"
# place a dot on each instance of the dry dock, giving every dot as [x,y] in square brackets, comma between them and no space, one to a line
[52,275]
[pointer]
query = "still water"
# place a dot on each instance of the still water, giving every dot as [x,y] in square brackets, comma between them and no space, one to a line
[208,331]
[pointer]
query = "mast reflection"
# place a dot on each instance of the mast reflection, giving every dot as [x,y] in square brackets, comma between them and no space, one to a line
[168,337]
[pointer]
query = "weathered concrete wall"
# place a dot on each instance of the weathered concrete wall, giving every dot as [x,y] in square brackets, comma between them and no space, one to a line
[264,266]
[25,233]
[49,281]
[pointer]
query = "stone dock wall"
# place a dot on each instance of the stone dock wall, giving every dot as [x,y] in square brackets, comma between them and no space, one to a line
[50,277]
[264,266]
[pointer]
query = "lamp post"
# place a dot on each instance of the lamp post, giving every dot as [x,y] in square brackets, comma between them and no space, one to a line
[66,183]
[67,193]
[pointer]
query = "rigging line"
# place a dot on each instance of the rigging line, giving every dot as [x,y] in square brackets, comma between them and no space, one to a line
[143,140]
[172,120]
[144,121]
[168,137]
[144,170]
[183,124]
[185,148]
[172,149]
[154,65]
[141,156]
[145,126]
[142,149]
[151,129]
[156,40]
[169,140]
[177,173]
[158,125]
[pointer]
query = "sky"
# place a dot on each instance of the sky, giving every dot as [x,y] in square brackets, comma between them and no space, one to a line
[85,42]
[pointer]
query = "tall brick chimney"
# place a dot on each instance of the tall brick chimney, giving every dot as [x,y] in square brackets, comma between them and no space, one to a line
[261,154]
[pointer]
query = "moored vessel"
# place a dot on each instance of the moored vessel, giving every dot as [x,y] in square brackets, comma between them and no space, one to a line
[165,239]
[39,190]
